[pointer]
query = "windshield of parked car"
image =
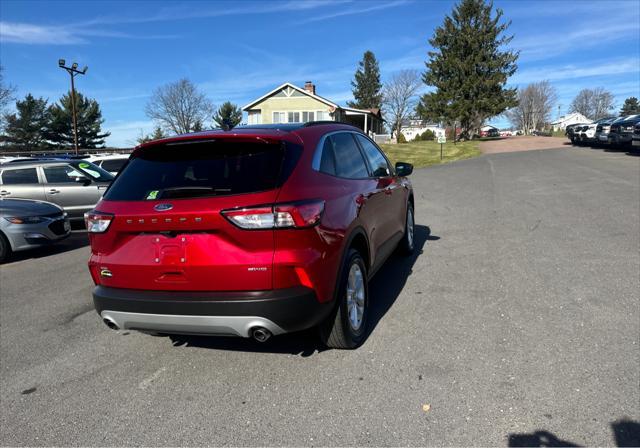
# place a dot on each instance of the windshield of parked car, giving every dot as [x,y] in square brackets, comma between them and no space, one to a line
[200,169]
[93,172]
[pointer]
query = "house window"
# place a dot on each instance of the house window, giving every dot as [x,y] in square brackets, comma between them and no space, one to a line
[279,117]
[294,117]
[307,116]
[254,117]
[322,115]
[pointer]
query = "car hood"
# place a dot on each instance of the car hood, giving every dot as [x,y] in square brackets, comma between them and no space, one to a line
[26,207]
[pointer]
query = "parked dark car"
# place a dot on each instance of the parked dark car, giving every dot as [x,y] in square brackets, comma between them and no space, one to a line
[602,130]
[25,224]
[621,132]
[635,139]
[75,185]
[256,232]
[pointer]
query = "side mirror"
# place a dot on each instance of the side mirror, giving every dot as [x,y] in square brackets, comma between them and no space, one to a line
[403,169]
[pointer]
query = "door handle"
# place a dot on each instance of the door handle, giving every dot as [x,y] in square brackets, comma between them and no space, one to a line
[4,193]
[54,191]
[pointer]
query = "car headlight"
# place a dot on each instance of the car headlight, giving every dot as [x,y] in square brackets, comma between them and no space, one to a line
[25,219]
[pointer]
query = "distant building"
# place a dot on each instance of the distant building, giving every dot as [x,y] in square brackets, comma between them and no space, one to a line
[566,120]
[288,103]
[414,126]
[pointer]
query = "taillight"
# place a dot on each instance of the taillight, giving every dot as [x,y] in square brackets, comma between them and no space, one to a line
[297,215]
[97,222]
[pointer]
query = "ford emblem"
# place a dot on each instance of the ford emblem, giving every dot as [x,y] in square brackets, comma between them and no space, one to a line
[163,207]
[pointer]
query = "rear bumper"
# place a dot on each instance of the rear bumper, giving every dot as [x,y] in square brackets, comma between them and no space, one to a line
[216,313]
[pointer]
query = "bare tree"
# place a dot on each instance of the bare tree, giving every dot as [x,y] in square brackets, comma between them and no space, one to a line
[593,103]
[535,105]
[179,107]
[399,96]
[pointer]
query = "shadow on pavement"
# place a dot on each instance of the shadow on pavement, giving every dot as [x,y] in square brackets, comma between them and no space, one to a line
[626,433]
[385,288]
[627,150]
[76,240]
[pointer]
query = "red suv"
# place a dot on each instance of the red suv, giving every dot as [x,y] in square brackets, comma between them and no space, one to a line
[252,232]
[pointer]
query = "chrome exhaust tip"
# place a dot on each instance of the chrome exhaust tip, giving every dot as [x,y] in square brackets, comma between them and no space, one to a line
[260,334]
[110,323]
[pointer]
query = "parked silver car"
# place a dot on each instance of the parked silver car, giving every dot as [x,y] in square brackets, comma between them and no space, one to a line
[25,224]
[75,185]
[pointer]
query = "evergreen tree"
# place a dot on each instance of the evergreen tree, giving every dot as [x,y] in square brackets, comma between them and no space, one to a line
[630,107]
[27,128]
[468,67]
[158,134]
[367,88]
[89,118]
[228,114]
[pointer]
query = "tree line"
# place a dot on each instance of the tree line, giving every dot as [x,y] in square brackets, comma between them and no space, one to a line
[465,79]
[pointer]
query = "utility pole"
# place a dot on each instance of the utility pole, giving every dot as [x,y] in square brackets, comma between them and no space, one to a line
[73,71]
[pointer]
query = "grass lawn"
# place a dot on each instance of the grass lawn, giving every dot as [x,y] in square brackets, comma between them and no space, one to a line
[425,153]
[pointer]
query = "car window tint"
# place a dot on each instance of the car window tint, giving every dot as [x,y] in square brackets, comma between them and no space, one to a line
[378,163]
[112,165]
[63,174]
[21,176]
[349,161]
[203,169]
[328,161]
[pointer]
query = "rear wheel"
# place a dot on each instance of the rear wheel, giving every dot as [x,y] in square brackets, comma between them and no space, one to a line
[5,248]
[345,328]
[407,243]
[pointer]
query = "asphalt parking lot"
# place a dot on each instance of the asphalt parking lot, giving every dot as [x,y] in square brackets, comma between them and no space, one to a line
[518,323]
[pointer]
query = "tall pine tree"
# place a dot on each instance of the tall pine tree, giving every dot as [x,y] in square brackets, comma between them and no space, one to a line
[367,88]
[228,114]
[27,128]
[630,107]
[89,118]
[469,67]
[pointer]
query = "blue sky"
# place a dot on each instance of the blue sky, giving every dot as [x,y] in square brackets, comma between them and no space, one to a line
[238,51]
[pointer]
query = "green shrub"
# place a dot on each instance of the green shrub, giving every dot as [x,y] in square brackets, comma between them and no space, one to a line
[428,135]
[417,138]
[401,138]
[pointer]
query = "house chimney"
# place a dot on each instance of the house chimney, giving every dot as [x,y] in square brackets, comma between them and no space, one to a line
[310,87]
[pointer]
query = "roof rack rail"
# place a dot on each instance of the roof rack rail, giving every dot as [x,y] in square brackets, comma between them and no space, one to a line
[321,122]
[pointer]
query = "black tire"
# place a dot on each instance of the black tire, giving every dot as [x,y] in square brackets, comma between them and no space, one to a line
[407,244]
[337,331]
[5,248]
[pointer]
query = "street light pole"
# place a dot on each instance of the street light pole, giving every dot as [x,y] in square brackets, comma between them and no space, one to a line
[73,71]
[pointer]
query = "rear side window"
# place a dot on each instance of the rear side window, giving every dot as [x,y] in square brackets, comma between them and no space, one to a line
[328,160]
[377,161]
[20,176]
[112,165]
[348,158]
[201,169]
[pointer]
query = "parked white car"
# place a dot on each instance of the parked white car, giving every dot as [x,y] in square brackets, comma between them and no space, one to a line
[109,162]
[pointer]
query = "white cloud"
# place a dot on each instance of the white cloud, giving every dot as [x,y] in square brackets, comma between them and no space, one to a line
[25,33]
[354,11]
[572,71]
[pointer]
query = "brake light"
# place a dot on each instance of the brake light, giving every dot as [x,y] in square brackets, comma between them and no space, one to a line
[298,215]
[97,222]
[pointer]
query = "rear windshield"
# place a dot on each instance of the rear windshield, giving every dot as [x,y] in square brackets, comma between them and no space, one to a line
[202,169]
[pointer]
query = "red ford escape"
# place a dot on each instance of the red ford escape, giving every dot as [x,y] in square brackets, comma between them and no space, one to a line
[252,232]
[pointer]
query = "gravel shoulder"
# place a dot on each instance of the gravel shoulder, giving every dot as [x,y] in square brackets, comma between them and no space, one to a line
[522,143]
